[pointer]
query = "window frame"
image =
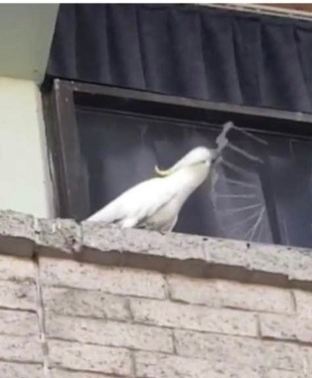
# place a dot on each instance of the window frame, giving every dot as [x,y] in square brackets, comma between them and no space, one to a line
[70,185]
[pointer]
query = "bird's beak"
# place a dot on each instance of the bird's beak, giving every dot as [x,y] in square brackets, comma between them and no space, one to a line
[214,155]
[161,173]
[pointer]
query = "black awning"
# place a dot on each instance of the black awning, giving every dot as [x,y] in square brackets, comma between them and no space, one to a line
[192,51]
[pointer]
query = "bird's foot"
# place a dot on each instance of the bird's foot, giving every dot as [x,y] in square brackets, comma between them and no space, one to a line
[164,232]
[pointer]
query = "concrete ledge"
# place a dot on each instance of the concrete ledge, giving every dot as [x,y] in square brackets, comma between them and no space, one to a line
[197,256]
[17,233]
[57,236]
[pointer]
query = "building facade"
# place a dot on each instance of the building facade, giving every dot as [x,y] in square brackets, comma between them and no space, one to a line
[82,300]
[87,301]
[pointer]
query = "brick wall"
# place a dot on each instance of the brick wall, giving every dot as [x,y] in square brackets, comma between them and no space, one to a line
[84,301]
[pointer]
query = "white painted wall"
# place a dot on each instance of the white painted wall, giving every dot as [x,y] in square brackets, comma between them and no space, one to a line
[24,179]
[26,32]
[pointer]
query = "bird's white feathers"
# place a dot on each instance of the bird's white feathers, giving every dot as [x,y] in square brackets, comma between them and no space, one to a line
[137,203]
[155,204]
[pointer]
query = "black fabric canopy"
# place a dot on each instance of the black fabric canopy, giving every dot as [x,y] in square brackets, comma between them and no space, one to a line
[192,51]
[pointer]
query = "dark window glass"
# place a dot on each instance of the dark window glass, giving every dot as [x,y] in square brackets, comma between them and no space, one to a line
[264,195]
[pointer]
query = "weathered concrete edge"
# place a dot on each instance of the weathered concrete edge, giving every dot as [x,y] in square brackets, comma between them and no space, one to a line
[25,236]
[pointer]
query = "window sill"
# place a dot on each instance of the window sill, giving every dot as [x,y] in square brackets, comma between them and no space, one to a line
[196,256]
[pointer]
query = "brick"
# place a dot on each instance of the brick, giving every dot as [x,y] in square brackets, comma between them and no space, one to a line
[269,258]
[15,295]
[284,374]
[97,236]
[308,359]
[283,327]
[220,293]
[109,333]
[75,302]
[303,303]
[17,233]
[18,323]
[114,280]
[20,349]
[12,370]
[16,269]
[241,350]
[225,252]
[166,314]
[57,373]
[300,264]
[58,235]
[155,365]
[91,358]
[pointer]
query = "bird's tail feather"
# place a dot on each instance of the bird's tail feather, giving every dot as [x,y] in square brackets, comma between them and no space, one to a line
[106,215]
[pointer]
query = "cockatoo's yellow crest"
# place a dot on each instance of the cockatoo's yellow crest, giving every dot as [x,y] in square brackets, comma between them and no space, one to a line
[161,173]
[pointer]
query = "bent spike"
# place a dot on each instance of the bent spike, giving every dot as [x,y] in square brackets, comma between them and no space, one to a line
[222,141]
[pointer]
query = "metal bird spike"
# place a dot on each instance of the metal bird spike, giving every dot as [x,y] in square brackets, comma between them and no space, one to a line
[222,142]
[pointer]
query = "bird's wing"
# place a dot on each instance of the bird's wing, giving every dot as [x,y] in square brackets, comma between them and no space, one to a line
[136,204]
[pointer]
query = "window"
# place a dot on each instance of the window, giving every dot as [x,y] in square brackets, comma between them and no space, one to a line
[103,140]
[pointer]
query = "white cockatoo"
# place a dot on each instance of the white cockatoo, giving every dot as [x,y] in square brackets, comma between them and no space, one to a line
[155,204]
